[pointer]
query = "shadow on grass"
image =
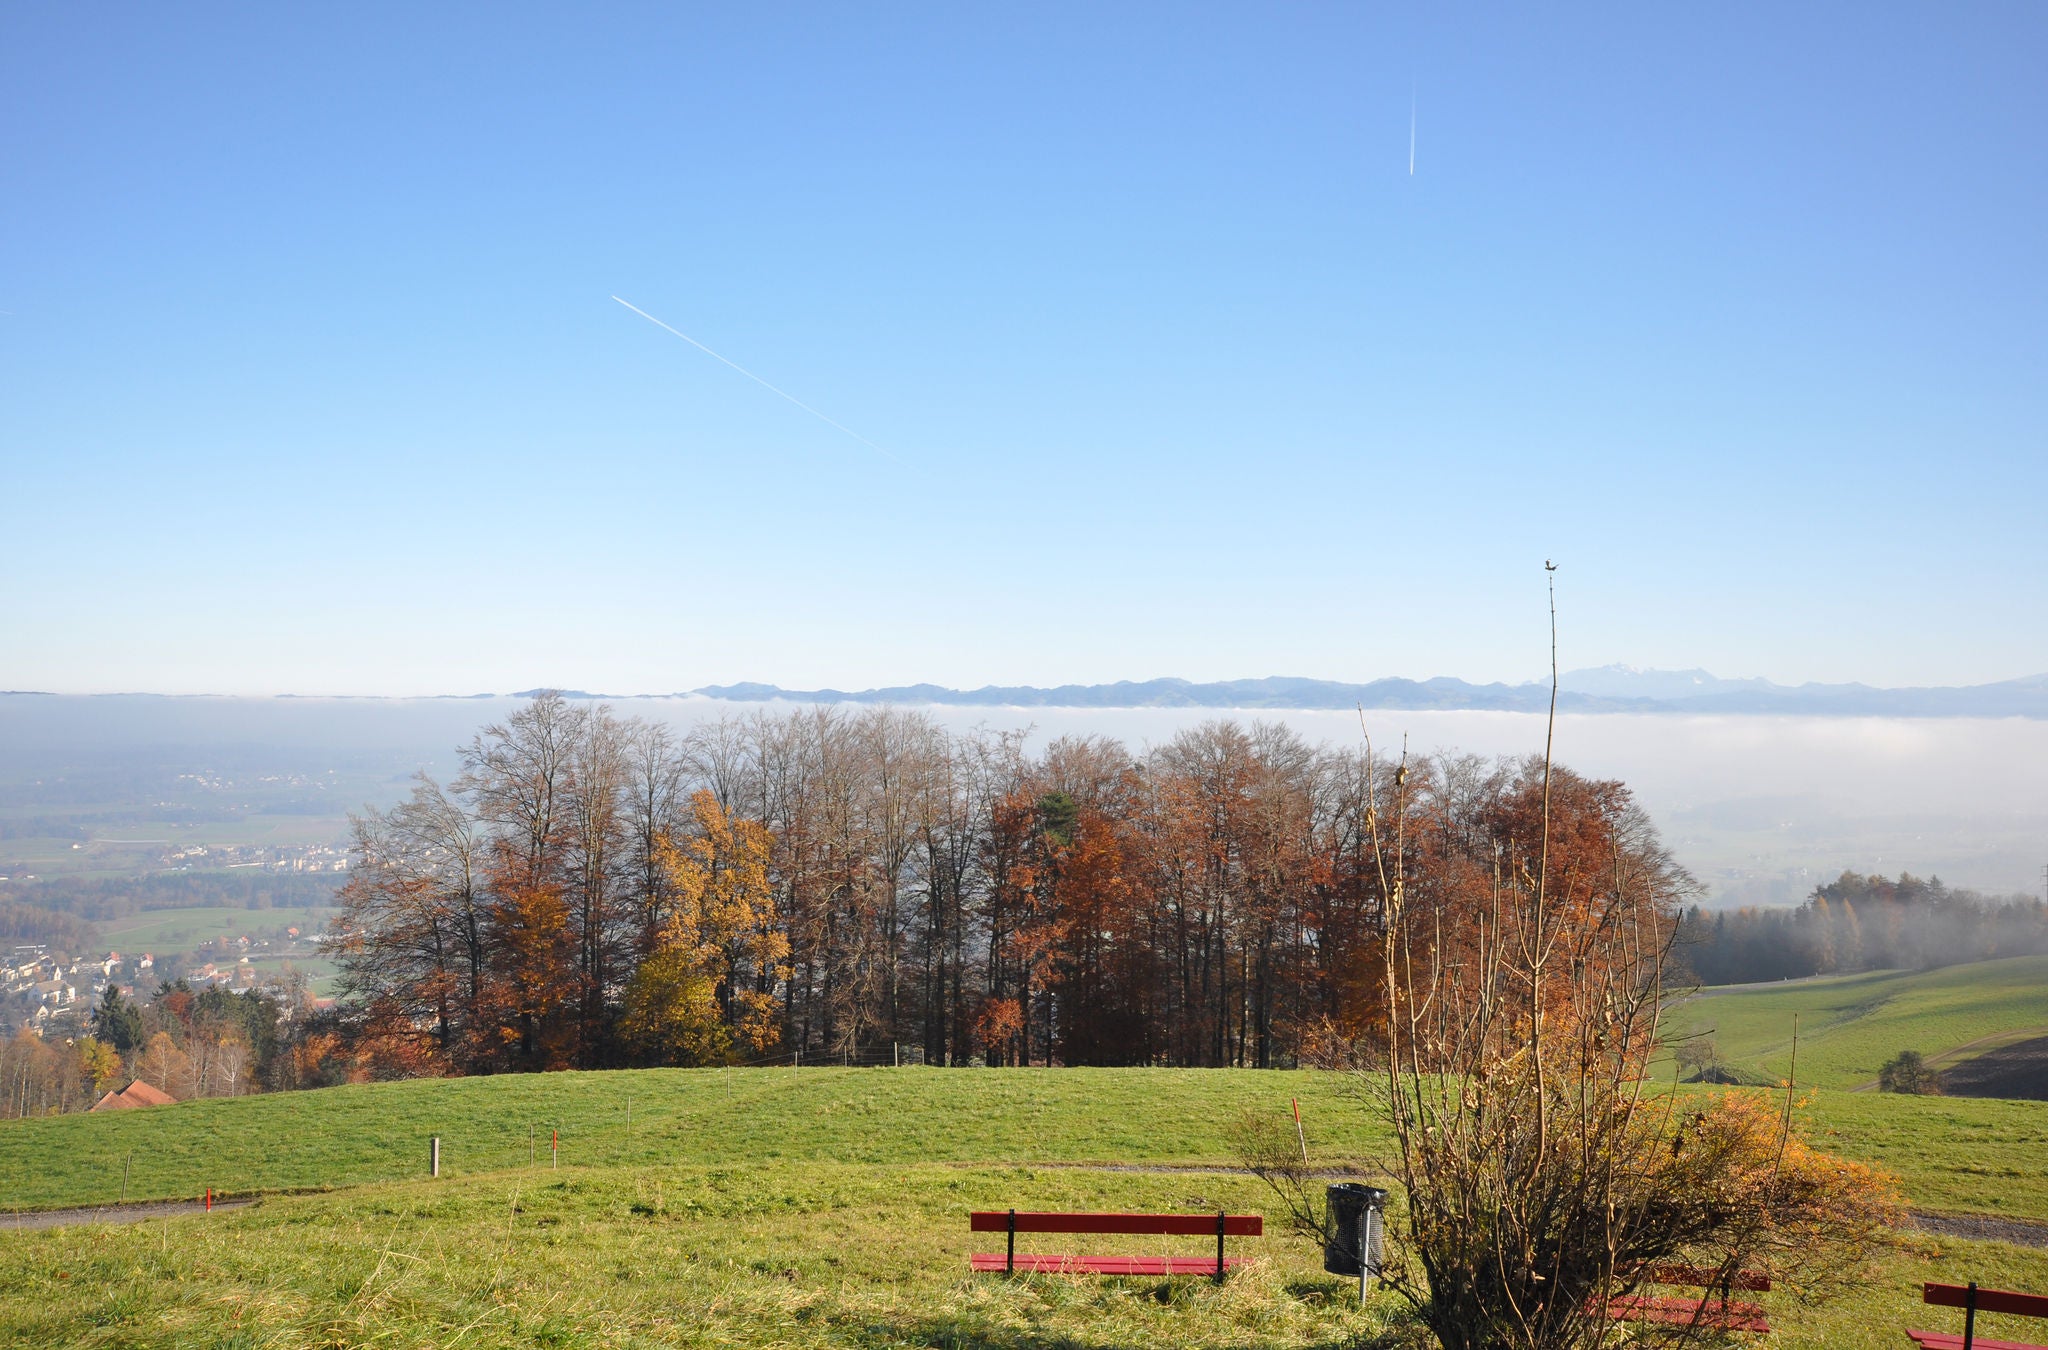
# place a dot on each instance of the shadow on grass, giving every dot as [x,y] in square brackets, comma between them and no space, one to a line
[947,1333]
[971,1331]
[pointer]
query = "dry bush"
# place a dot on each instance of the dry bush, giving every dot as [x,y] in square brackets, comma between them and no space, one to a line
[1543,1176]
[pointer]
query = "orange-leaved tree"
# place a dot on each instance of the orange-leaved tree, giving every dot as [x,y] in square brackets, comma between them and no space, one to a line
[708,991]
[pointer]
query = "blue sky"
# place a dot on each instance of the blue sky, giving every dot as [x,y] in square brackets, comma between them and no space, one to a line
[310,380]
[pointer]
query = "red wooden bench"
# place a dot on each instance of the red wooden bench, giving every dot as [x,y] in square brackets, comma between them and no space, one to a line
[1972,1301]
[1013,1222]
[1721,1313]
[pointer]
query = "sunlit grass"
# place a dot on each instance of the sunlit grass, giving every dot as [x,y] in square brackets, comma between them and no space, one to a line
[778,1254]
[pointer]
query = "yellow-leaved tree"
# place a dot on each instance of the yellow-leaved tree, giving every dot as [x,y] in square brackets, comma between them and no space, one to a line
[99,1062]
[708,992]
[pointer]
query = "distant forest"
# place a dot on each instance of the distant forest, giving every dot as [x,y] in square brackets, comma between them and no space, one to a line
[853,885]
[1861,923]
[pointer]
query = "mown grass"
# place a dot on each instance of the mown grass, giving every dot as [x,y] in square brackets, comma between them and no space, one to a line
[378,1132]
[1850,1025]
[797,1254]
[1958,1154]
[786,1254]
[1951,1153]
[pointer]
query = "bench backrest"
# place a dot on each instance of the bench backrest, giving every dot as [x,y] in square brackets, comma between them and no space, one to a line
[1190,1225]
[1706,1277]
[1988,1300]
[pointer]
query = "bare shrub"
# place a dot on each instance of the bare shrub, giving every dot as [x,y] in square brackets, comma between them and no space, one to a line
[1544,1176]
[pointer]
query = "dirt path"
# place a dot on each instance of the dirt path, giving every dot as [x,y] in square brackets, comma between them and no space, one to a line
[29,1220]
[1977,1227]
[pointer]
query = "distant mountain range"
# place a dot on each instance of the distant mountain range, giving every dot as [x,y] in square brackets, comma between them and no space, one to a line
[1618,689]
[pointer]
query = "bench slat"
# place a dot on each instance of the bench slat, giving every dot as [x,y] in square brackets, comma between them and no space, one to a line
[1708,1278]
[1186,1225]
[1683,1311]
[1988,1300]
[1942,1340]
[1041,1264]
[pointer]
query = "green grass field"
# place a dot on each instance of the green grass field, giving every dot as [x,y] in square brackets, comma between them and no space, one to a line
[1850,1025]
[181,929]
[771,1207]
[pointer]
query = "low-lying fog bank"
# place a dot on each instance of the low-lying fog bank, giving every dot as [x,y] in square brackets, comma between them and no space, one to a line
[1760,807]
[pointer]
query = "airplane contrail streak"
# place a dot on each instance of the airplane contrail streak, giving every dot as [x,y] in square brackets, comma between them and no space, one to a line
[782,393]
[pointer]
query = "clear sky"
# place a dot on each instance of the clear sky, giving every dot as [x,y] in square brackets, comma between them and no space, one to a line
[311,381]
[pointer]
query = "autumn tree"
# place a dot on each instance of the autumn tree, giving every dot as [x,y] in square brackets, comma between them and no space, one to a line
[100,1063]
[707,990]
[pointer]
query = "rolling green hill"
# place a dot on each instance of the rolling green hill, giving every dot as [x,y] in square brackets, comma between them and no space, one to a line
[1850,1025]
[779,1207]
[1953,1153]
[374,1132]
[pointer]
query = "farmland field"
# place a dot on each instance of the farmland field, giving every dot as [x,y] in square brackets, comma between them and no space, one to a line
[793,1207]
[181,929]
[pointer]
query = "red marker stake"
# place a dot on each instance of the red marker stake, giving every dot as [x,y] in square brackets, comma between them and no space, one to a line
[1297,1130]
[209,1199]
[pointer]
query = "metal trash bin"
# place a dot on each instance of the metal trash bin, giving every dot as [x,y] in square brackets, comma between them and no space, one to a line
[1357,1225]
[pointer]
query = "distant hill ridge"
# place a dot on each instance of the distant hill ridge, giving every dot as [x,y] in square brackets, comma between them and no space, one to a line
[1618,689]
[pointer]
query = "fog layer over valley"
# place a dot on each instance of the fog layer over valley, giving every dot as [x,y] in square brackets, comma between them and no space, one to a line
[1760,808]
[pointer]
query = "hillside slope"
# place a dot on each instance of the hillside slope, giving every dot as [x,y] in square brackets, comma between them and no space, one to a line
[1849,1025]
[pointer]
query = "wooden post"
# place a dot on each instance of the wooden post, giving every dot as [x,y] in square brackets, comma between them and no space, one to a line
[1010,1260]
[434,1157]
[1970,1317]
[1219,1246]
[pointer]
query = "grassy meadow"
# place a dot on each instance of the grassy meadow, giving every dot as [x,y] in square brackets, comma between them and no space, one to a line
[1849,1025]
[813,1207]
[182,929]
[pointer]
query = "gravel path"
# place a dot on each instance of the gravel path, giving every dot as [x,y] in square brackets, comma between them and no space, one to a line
[1983,1227]
[1980,1227]
[68,1218]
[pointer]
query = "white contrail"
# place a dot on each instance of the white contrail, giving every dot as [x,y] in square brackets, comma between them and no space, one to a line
[1411,133]
[758,380]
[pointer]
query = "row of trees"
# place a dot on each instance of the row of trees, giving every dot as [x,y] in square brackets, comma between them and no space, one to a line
[1862,923]
[596,890]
